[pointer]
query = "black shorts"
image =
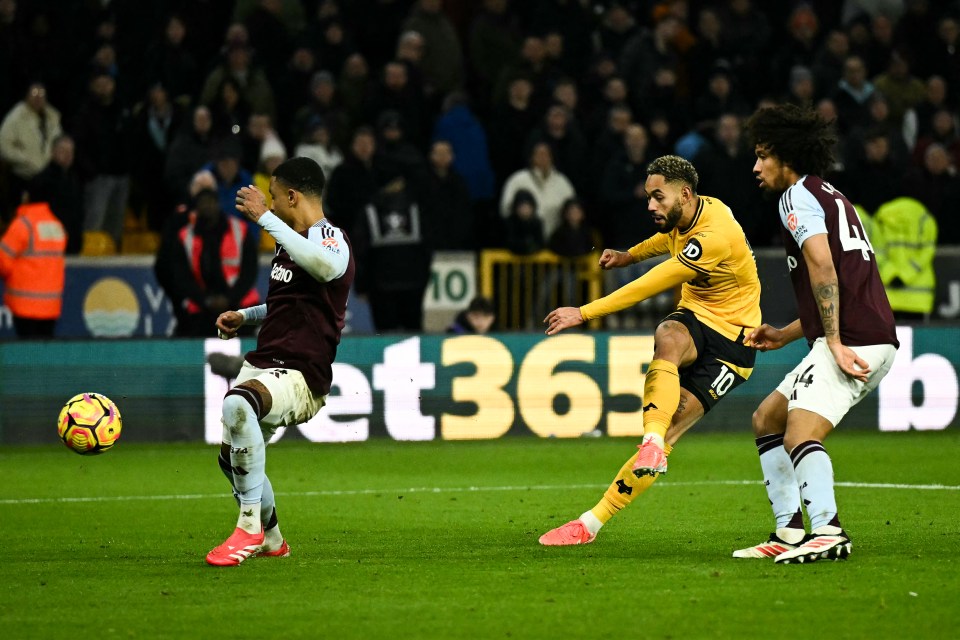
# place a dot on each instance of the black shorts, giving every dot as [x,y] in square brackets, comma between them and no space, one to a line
[722,364]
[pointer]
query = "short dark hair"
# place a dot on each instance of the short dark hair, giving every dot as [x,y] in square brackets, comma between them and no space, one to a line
[675,169]
[303,175]
[482,304]
[797,136]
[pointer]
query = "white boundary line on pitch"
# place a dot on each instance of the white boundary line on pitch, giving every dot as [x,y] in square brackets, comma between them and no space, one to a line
[373,492]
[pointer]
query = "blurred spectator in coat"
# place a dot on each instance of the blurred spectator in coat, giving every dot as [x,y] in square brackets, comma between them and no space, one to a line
[443,56]
[725,165]
[874,175]
[512,121]
[902,89]
[259,139]
[26,141]
[523,227]
[393,257]
[59,186]
[943,131]
[155,122]
[318,145]
[494,44]
[192,147]
[944,59]
[229,109]
[570,152]
[575,236]
[32,269]
[395,92]
[468,139]
[852,95]
[355,180]
[450,210]
[206,264]
[354,86]
[102,134]
[937,185]
[249,79]
[478,318]
[827,65]
[540,178]
[168,62]
[935,99]
[230,176]
[324,103]
[621,195]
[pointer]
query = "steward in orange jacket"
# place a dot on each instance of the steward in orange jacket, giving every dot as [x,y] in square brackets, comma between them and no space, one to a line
[207,263]
[32,268]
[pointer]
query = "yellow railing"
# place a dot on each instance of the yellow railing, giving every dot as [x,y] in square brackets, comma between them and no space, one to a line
[525,288]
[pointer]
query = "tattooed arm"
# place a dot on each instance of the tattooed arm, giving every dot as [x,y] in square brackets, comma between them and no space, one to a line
[826,290]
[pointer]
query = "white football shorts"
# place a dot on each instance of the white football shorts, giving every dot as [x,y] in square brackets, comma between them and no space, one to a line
[818,385]
[293,402]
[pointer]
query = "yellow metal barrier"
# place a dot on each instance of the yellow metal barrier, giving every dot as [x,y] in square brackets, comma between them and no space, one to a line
[525,289]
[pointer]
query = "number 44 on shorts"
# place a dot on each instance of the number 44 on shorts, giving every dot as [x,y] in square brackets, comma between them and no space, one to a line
[805,378]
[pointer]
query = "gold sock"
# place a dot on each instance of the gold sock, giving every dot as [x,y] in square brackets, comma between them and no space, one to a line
[624,489]
[661,397]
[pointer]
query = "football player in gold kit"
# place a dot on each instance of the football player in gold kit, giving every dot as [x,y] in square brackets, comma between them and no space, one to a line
[700,353]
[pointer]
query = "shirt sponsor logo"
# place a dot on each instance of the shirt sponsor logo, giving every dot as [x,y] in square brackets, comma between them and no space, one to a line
[280,274]
[692,250]
[792,222]
[331,243]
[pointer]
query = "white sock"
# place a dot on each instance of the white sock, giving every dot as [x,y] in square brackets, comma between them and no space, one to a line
[591,522]
[655,438]
[815,477]
[247,449]
[249,519]
[779,478]
[272,538]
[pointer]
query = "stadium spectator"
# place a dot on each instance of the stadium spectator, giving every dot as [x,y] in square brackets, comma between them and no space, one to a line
[575,236]
[512,121]
[902,90]
[154,123]
[102,134]
[395,92]
[937,185]
[248,80]
[443,56]
[494,44]
[461,128]
[801,89]
[32,269]
[944,60]
[192,147]
[26,142]
[295,85]
[561,131]
[724,164]
[168,61]
[852,95]
[617,26]
[355,86]
[523,227]
[874,175]
[258,139]
[850,352]
[354,182]
[548,186]
[390,234]
[707,250]
[904,238]
[532,65]
[621,198]
[229,109]
[317,144]
[300,327]
[935,99]
[450,210]
[477,319]
[323,102]
[206,264]
[230,176]
[942,130]
[800,47]
[59,185]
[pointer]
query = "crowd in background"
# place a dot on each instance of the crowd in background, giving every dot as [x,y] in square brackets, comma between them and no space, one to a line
[464,124]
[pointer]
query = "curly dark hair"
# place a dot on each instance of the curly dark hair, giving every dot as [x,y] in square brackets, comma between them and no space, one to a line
[302,174]
[796,136]
[675,169]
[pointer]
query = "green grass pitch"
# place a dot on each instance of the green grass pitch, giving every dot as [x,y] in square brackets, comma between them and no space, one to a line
[439,540]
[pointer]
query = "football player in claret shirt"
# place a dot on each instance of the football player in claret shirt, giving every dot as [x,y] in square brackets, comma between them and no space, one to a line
[845,318]
[699,352]
[285,380]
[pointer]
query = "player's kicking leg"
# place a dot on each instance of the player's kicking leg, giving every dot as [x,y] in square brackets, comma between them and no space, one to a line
[626,486]
[243,406]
